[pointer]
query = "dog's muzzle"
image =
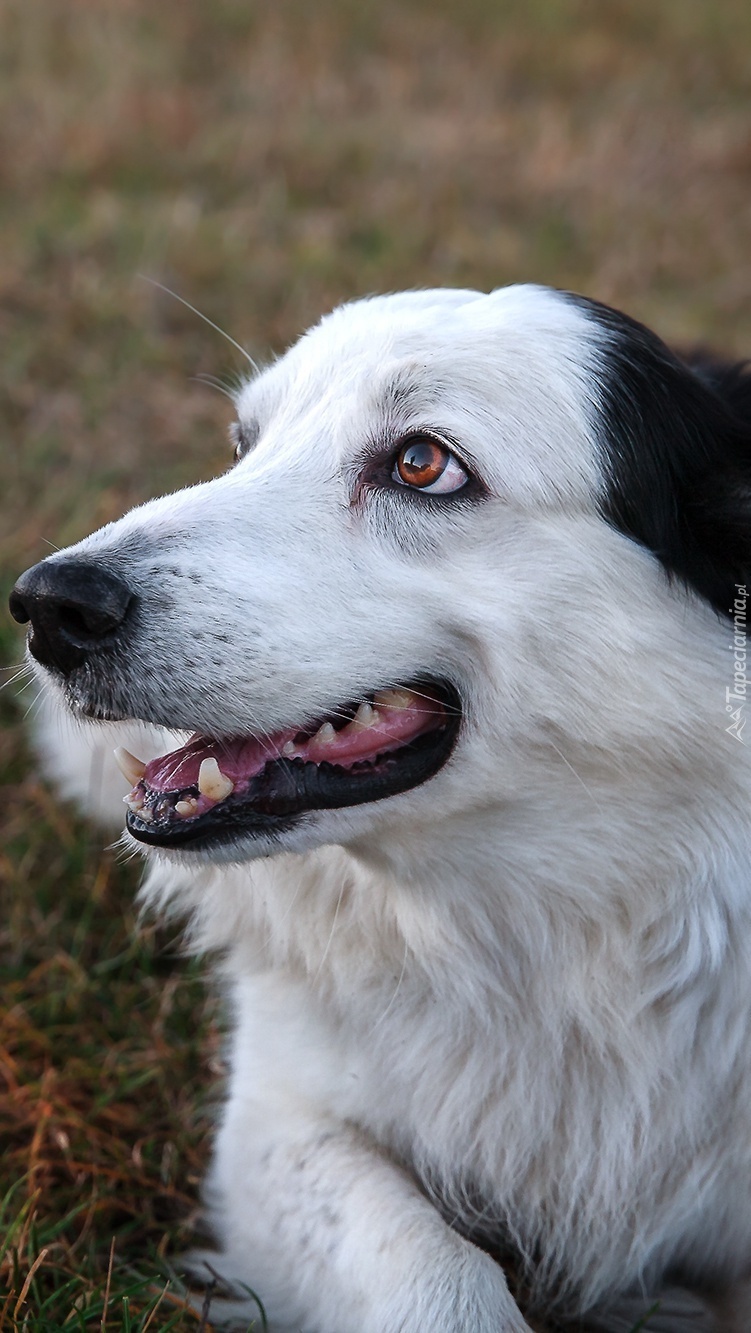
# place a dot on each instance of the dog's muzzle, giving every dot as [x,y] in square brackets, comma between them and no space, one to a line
[76,609]
[230,788]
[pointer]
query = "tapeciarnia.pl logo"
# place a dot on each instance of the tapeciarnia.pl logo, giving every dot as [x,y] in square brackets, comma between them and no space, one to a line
[735,698]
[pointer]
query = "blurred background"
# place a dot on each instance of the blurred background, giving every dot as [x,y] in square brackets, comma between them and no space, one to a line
[266,161]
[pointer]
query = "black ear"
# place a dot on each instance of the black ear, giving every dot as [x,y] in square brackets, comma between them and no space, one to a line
[676,454]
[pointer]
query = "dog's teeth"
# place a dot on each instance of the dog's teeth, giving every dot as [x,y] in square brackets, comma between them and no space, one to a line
[288,749]
[325,734]
[146,816]
[133,802]
[394,698]
[365,717]
[212,782]
[187,807]
[131,768]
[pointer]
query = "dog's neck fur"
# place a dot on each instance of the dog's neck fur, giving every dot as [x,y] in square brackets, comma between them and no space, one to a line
[618,971]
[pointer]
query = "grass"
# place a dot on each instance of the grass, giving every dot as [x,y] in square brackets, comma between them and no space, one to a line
[267,161]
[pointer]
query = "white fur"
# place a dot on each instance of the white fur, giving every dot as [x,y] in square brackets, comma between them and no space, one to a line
[522,990]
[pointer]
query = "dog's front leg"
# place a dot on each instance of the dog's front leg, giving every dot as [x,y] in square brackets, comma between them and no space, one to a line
[335,1238]
[311,1214]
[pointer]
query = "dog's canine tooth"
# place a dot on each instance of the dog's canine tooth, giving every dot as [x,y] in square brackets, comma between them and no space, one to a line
[365,717]
[131,768]
[212,782]
[394,699]
[325,734]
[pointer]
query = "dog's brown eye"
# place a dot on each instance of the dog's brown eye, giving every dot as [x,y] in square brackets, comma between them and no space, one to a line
[426,465]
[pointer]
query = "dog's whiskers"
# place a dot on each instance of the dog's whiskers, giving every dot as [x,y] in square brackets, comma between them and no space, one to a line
[168,290]
[123,848]
[377,1024]
[21,670]
[578,776]
[34,707]
[213,382]
[419,694]
[324,956]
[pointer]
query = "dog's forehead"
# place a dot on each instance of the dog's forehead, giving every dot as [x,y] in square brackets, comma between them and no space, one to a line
[507,374]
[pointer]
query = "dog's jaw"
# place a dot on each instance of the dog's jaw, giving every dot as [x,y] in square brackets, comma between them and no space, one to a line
[242,789]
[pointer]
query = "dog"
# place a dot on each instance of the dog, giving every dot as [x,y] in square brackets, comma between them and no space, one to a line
[443,689]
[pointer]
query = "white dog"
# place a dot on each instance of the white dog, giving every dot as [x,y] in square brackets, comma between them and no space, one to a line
[460,641]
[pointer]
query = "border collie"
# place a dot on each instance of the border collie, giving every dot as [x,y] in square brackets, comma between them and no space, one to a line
[444,683]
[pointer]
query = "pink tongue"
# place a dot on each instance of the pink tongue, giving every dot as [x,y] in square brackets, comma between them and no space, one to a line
[241,758]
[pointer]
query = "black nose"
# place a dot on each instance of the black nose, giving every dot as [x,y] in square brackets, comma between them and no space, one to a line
[75,608]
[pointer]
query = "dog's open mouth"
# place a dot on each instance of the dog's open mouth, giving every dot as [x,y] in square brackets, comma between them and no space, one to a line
[213,791]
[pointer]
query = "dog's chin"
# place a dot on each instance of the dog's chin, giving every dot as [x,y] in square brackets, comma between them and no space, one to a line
[239,848]
[352,827]
[239,797]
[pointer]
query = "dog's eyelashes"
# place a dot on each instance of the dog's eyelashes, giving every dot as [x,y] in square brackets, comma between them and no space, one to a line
[426,465]
[235,441]
[243,437]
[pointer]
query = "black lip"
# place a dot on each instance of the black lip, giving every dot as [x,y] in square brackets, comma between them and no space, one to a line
[286,790]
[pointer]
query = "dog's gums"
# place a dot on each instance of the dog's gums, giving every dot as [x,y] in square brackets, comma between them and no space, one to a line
[210,790]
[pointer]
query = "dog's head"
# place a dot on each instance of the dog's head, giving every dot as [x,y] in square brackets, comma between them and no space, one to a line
[456,524]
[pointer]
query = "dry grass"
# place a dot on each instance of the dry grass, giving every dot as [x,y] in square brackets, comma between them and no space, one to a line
[268,160]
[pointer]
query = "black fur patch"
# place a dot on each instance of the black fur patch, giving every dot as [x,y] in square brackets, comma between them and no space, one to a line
[676,446]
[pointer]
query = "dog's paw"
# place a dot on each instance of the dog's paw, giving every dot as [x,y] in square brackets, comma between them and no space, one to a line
[467,1292]
[469,1297]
